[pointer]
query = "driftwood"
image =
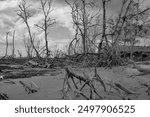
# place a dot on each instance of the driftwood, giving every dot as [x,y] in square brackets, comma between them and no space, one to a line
[124,89]
[28,89]
[118,88]
[31,63]
[140,68]
[10,67]
[9,82]
[74,83]
[3,96]
[78,89]
[24,73]
[100,79]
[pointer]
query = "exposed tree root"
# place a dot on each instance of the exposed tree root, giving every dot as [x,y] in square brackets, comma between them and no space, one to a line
[78,89]
[71,85]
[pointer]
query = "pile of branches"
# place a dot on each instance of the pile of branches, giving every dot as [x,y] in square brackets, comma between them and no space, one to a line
[75,86]
[29,89]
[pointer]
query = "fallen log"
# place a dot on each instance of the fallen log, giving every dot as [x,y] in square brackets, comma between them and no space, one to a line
[140,68]
[28,89]
[98,78]
[9,82]
[31,63]
[71,74]
[124,89]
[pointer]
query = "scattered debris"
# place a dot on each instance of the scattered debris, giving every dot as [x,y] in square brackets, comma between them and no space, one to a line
[78,89]
[70,86]
[124,89]
[28,89]
[31,63]
[9,82]
[3,96]
[33,84]
[148,88]
[27,73]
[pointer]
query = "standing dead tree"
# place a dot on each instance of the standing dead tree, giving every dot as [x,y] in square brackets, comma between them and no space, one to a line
[28,47]
[46,7]
[135,26]
[13,45]
[6,53]
[104,37]
[83,16]
[115,27]
[20,54]
[24,13]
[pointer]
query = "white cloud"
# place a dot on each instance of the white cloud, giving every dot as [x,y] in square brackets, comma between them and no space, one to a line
[4,16]
[21,27]
[8,4]
[35,20]
[63,17]
[1,23]
[61,14]
[58,44]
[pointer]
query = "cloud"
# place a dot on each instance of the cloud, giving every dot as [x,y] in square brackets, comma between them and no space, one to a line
[6,24]
[58,44]
[63,17]
[8,4]
[1,23]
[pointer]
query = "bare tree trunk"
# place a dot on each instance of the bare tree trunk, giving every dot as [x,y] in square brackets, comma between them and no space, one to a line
[6,54]
[104,37]
[13,44]
[46,6]
[104,22]
[24,14]
[20,54]
[28,47]
[46,41]
[31,39]
[84,28]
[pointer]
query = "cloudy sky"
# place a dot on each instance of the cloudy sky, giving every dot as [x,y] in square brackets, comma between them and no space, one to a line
[59,35]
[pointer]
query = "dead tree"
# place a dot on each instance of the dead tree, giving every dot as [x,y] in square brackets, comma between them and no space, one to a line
[104,37]
[28,47]
[75,84]
[83,17]
[46,7]
[13,44]
[24,13]
[6,53]
[20,54]
[126,25]
[136,29]
[115,31]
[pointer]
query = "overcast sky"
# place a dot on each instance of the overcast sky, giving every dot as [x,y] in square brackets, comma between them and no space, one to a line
[59,34]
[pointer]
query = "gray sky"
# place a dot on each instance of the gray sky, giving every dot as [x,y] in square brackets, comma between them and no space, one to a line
[59,35]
